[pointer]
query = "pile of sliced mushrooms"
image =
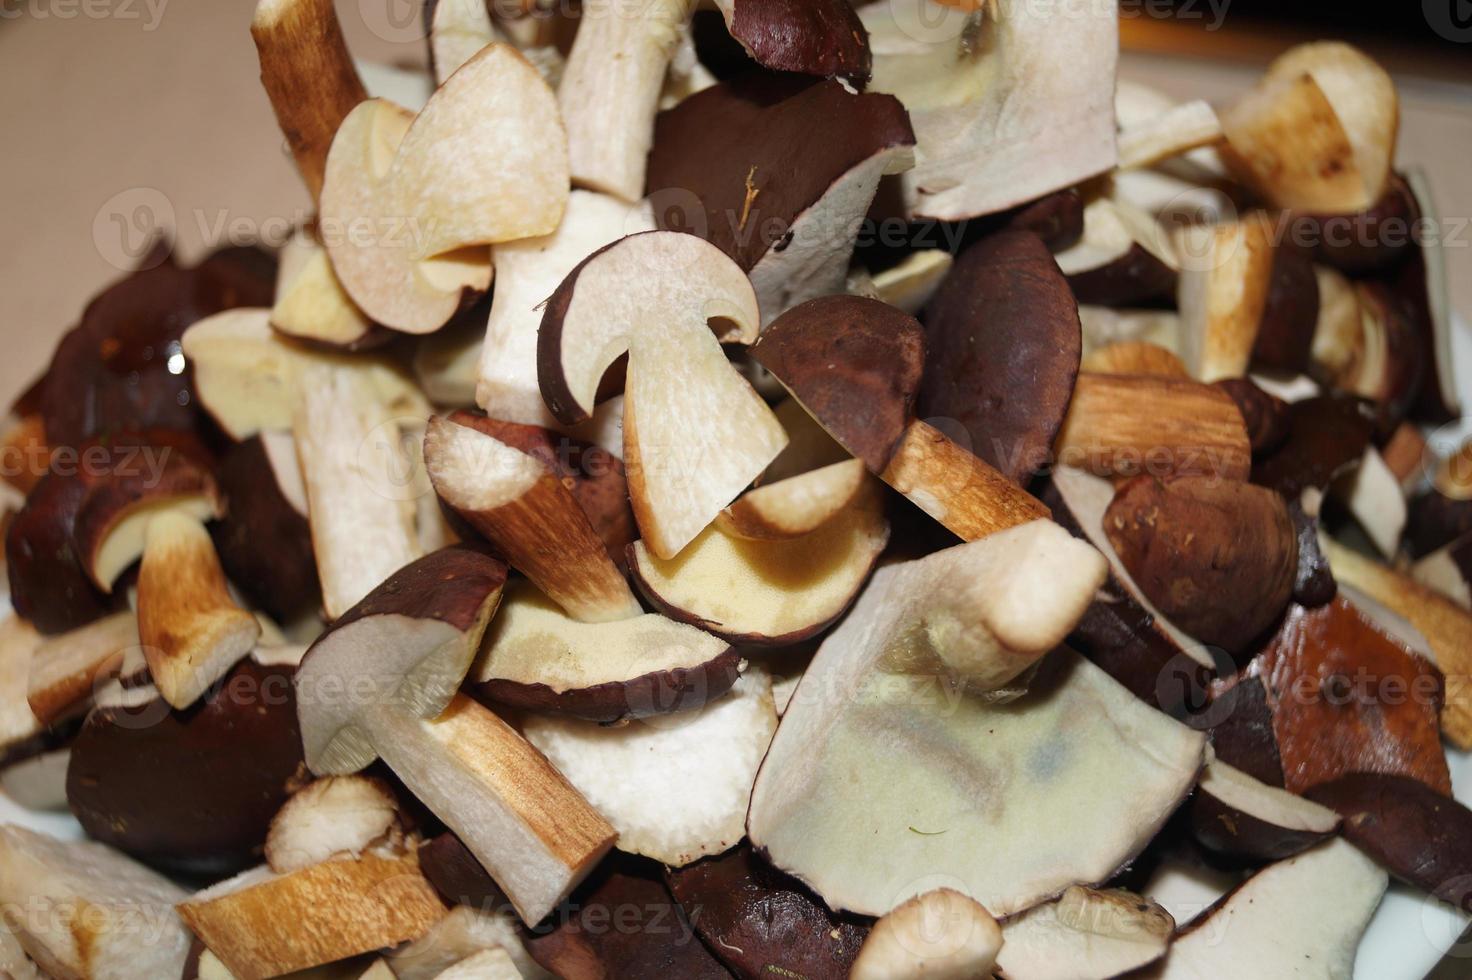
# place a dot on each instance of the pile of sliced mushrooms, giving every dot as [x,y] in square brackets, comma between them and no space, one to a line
[797,489]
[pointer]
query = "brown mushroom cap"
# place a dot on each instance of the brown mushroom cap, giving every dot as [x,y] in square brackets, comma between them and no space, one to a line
[855,364]
[1266,415]
[1285,334]
[814,37]
[1327,435]
[1002,351]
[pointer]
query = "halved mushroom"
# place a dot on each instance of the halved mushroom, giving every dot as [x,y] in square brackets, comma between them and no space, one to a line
[527,272]
[538,658]
[1280,919]
[1318,132]
[792,230]
[675,787]
[1226,275]
[1125,425]
[309,77]
[855,364]
[1085,933]
[406,236]
[330,818]
[1008,101]
[191,791]
[938,934]
[382,682]
[263,924]
[689,448]
[467,931]
[65,669]
[1218,558]
[1235,815]
[610,88]
[920,667]
[1123,258]
[129,927]
[310,303]
[795,506]
[1002,349]
[770,592]
[523,507]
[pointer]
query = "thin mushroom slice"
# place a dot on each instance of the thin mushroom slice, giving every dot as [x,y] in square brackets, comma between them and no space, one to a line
[939,934]
[795,506]
[1085,934]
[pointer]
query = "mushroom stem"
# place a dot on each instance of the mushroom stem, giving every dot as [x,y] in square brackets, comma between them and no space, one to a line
[309,77]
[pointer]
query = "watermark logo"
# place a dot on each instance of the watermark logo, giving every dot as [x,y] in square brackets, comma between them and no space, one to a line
[1450,19]
[128,224]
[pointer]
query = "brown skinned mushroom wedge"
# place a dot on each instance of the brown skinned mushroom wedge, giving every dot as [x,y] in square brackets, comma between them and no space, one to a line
[824,37]
[1318,132]
[1217,558]
[770,592]
[65,669]
[1123,258]
[675,787]
[1008,103]
[1445,625]
[309,77]
[795,506]
[1373,496]
[1124,425]
[938,934]
[190,629]
[1422,282]
[856,364]
[610,88]
[527,272]
[792,231]
[689,448]
[261,924]
[1283,920]
[130,928]
[538,658]
[1003,323]
[1448,570]
[385,169]
[1226,275]
[523,507]
[929,672]
[1087,934]
[1285,332]
[1235,815]
[517,814]
[192,791]
[329,818]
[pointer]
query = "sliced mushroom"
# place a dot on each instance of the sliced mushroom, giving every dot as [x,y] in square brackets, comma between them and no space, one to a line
[458,29]
[1171,132]
[1422,283]
[1123,258]
[1448,570]
[1372,494]
[795,506]
[65,670]
[1226,276]
[1085,934]
[689,449]
[465,932]
[538,658]
[767,592]
[311,305]
[330,818]
[939,934]
[1235,815]
[1009,102]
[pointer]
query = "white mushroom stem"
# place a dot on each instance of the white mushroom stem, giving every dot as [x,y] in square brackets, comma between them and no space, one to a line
[610,90]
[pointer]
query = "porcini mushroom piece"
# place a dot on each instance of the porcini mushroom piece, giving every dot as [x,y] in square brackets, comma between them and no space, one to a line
[311,305]
[609,91]
[1285,331]
[349,447]
[675,787]
[129,928]
[467,930]
[1002,348]
[1445,625]
[1217,557]
[689,448]
[65,669]
[458,30]
[496,120]
[1105,325]
[1008,102]
[795,506]
[1372,494]
[329,818]
[1134,357]
[18,722]
[1123,425]
[1170,133]
[190,629]
[820,37]
[1266,416]
[1279,920]
[1226,273]
[941,934]
[1423,284]
[1448,570]
[1085,933]
[261,924]
[527,272]
[792,231]
[37,782]
[538,658]
[382,682]
[1235,815]
[767,592]
[309,77]
[48,582]
[1123,258]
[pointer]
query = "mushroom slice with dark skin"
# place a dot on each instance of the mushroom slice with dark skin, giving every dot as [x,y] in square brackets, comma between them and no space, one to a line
[1279,920]
[689,448]
[382,682]
[792,230]
[1218,558]
[1448,570]
[1442,512]
[1265,415]
[1234,815]
[1085,933]
[1422,284]
[938,934]
[813,37]
[856,364]
[1327,436]
[1009,103]
[760,921]
[1362,243]
[1226,277]
[528,513]
[1002,348]
[768,592]
[538,658]
[1124,257]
